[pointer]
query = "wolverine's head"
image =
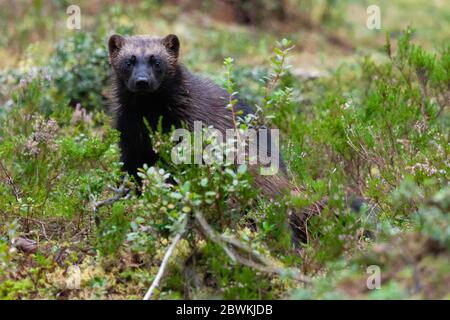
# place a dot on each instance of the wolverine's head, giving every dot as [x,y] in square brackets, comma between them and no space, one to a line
[143,63]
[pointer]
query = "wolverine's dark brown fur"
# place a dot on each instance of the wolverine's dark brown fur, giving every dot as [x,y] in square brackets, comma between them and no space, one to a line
[179,97]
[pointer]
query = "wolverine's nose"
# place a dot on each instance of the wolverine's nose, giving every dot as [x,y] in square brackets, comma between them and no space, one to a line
[142,82]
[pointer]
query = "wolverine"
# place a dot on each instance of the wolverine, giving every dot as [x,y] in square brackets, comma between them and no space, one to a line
[150,83]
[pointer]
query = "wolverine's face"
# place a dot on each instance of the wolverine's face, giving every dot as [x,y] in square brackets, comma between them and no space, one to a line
[143,63]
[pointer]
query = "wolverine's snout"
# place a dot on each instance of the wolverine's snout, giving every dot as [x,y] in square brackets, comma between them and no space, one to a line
[142,83]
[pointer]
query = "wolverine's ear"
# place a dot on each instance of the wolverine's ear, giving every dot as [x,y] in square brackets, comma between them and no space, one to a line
[172,44]
[114,44]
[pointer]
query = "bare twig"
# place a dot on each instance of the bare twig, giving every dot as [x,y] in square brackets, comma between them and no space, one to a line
[44,233]
[261,264]
[231,246]
[10,182]
[163,265]
[118,194]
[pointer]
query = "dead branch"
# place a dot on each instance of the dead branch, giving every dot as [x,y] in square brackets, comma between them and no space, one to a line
[10,182]
[163,265]
[121,192]
[42,224]
[232,247]
[257,261]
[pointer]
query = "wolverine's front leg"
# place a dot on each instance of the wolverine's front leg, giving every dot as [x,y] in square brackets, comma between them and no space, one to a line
[135,145]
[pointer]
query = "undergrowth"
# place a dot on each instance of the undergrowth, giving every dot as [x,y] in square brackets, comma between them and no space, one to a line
[373,129]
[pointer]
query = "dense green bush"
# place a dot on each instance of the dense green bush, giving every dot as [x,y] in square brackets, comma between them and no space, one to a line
[80,67]
[80,70]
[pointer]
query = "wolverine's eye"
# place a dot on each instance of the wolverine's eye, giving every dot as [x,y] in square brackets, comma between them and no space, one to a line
[155,61]
[131,61]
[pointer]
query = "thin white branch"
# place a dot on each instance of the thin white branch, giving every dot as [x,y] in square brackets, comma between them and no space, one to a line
[163,266]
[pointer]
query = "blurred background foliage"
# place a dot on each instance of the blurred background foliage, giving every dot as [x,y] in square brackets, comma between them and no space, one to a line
[360,111]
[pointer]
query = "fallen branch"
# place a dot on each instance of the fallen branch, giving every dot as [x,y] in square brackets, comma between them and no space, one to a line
[262,264]
[230,245]
[40,223]
[119,193]
[163,265]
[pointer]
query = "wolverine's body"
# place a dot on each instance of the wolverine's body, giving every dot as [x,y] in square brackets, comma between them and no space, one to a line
[170,93]
[149,83]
